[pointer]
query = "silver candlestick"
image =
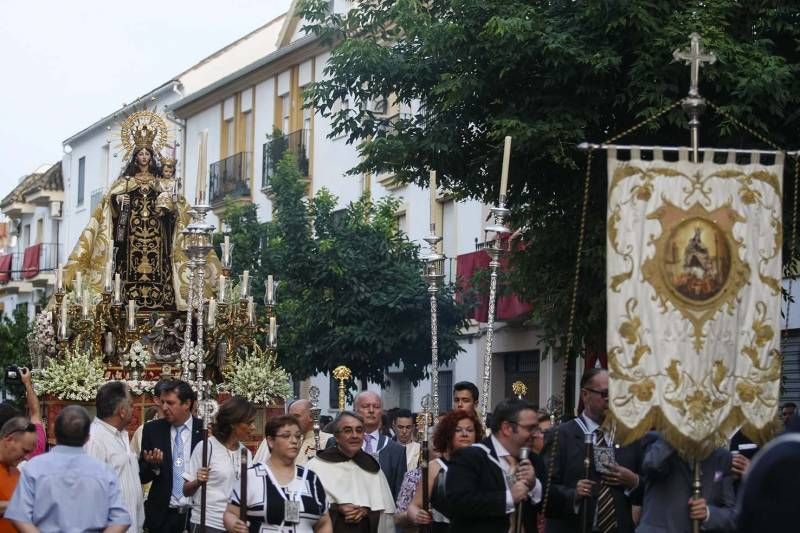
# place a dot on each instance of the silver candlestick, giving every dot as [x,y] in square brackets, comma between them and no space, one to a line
[500,230]
[313,396]
[434,274]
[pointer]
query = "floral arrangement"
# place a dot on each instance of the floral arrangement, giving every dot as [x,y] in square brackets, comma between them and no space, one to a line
[257,378]
[42,340]
[137,357]
[76,377]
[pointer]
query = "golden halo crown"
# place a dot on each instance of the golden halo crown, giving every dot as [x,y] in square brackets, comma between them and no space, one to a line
[143,129]
[167,161]
[144,136]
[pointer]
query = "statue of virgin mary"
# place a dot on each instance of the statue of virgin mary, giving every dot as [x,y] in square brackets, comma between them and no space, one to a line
[138,225]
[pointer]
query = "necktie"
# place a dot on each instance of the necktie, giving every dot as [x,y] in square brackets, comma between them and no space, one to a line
[606,515]
[368,444]
[177,463]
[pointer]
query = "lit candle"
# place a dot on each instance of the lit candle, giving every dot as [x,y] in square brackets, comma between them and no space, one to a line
[504,174]
[270,288]
[60,278]
[212,311]
[432,186]
[226,251]
[221,289]
[250,313]
[131,315]
[245,283]
[64,319]
[76,287]
[117,286]
[272,330]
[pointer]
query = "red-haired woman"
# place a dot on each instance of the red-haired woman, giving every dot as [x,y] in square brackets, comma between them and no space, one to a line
[458,429]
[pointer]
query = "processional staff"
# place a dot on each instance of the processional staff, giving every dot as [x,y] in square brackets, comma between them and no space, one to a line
[423,423]
[313,396]
[341,373]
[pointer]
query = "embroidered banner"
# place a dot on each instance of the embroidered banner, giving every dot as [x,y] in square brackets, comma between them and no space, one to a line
[693,287]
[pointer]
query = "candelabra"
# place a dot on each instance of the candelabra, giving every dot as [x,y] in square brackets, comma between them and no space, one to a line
[500,231]
[433,275]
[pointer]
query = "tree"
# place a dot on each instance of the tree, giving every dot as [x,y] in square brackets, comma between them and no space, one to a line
[550,74]
[14,344]
[350,289]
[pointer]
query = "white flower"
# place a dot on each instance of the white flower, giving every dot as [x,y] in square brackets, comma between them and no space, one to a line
[257,380]
[76,377]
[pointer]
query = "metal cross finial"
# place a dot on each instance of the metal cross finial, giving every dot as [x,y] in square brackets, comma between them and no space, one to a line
[695,57]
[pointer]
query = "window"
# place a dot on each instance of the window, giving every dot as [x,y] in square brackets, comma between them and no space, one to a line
[26,235]
[229,138]
[286,109]
[247,119]
[445,390]
[39,230]
[380,106]
[81,179]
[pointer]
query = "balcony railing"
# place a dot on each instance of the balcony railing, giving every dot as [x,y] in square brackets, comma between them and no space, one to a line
[35,260]
[389,125]
[230,178]
[274,150]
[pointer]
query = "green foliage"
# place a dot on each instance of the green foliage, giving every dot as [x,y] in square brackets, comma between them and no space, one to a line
[14,343]
[350,288]
[551,75]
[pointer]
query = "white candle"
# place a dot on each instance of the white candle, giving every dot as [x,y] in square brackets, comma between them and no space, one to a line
[108,277]
[64,318]
[60,278]
[131,315]
[250,309]
[85,306]
[76,287]
[270,288]
[504,173]
[226,251]
[245,283]
[117,287]
[432,186]
[221,288]
[212,311]
[272,330]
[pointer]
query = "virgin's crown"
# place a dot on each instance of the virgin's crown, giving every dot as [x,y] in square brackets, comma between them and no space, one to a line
[144,136]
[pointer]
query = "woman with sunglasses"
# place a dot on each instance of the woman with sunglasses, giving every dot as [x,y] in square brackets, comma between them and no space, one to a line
[458,429]
[232,427]
[281,496]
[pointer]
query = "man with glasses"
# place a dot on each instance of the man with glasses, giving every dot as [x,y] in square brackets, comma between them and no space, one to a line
[17,439]
[356,487]
[612,486]
[487,480]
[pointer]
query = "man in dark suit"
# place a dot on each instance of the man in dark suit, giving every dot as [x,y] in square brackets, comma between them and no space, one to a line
[608,496]
[668,507]
[486,481]
[390,455]
[167,445]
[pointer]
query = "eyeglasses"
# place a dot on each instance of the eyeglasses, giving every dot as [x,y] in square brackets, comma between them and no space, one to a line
[530,428]
[602,393]
[349,431]
[465,431]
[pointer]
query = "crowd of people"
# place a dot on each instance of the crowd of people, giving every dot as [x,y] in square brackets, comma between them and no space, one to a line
[366,474]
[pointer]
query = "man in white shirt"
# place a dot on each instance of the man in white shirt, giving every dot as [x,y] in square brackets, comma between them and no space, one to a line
[301,410]
[404,432]
[108,442]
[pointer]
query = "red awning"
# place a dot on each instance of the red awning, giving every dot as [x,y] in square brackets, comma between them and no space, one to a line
[509,306]
[30,261]
[5,267]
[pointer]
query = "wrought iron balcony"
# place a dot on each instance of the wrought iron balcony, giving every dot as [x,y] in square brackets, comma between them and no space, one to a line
[274,150]
[230,178]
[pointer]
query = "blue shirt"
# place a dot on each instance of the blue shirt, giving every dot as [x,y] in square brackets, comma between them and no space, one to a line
[67,491]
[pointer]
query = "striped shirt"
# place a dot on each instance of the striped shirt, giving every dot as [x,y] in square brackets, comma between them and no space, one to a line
[111,446]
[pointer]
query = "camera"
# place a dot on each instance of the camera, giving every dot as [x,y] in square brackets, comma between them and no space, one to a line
[13,374]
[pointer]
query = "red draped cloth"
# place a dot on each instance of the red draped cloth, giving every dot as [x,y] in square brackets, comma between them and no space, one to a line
[30,261]
[5,267]
[509,306]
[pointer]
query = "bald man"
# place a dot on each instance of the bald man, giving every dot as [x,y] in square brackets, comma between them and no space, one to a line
[301,410]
